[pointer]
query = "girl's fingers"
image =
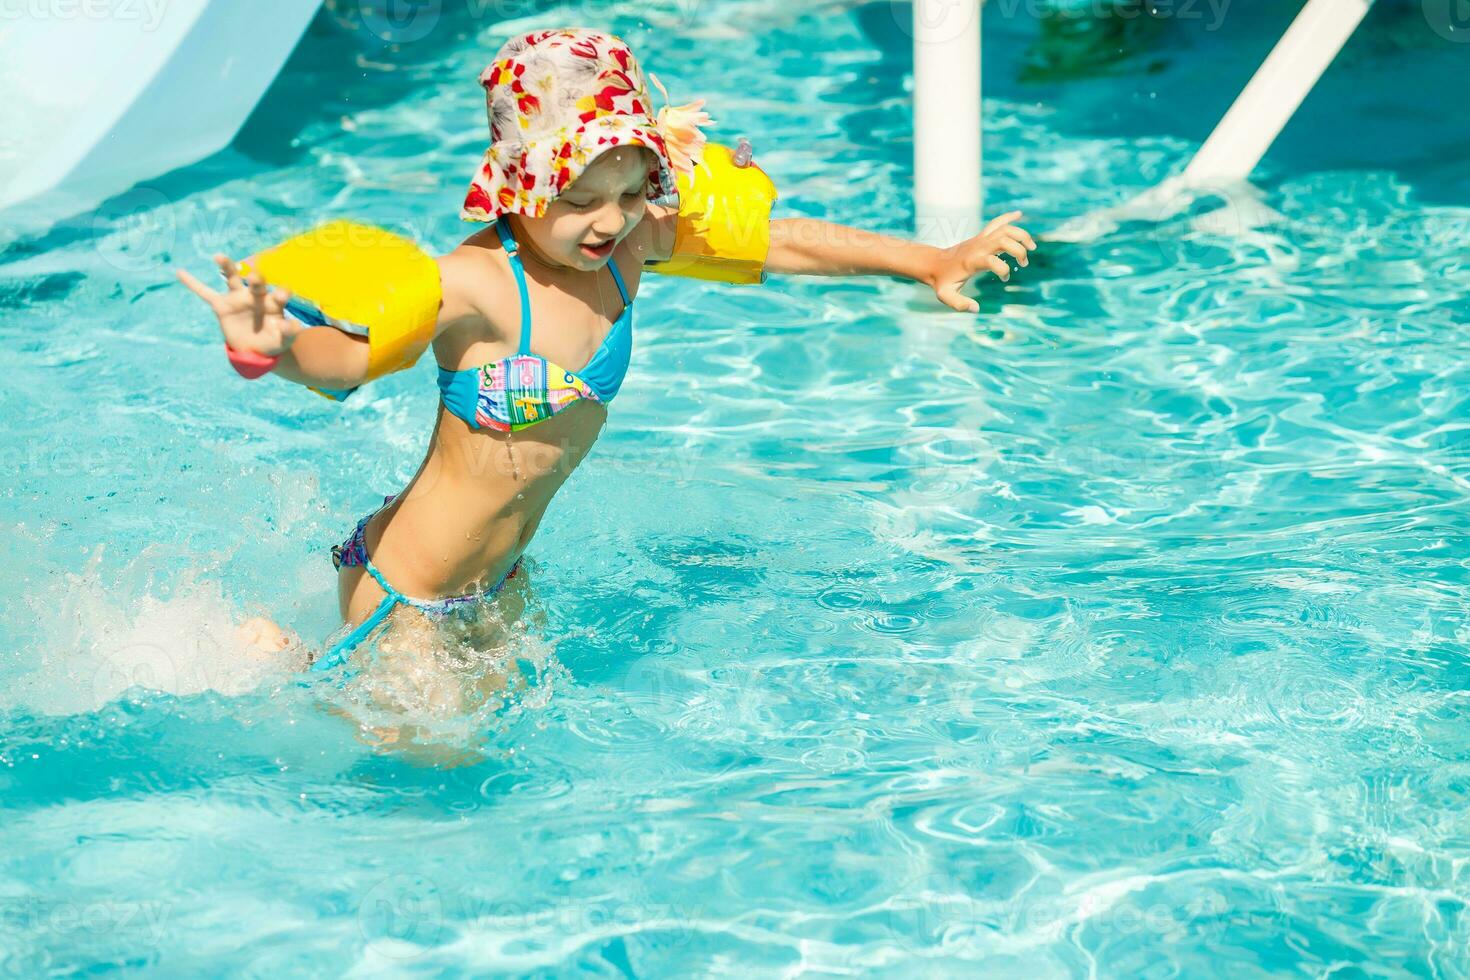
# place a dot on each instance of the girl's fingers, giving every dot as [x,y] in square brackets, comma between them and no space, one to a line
[198,288]
[279,299]
[258,294]
[1022,235]
[951,297]
[1014,249]
[988,262]
[228,268]
[1000,222]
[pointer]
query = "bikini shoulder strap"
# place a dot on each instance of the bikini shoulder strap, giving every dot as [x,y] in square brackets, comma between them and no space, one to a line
[618,278]
[508,241]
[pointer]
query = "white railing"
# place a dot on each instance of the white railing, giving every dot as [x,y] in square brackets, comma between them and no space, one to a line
[1246,132]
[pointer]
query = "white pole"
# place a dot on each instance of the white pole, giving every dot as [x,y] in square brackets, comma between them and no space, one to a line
[1266,104]
[947,195]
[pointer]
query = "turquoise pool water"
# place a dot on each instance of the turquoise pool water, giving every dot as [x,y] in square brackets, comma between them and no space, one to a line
[1118,631]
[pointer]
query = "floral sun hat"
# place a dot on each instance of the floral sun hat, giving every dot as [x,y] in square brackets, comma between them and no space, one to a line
[557,100]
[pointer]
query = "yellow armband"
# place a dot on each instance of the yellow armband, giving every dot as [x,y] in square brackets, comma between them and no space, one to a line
[724,227]
[361,280]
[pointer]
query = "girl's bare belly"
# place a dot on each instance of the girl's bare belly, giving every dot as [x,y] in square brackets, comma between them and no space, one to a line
[471,509]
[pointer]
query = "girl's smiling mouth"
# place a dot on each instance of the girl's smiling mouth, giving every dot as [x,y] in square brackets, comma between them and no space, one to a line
[599,252]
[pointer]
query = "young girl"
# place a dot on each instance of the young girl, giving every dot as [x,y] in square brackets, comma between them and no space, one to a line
[535,330]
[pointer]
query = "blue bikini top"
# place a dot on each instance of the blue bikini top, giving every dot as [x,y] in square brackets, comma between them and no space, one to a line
[525,388]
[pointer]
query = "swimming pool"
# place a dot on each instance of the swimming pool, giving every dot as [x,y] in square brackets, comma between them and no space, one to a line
[1119,630]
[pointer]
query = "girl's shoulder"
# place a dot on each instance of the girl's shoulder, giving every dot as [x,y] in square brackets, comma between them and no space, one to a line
[475,280]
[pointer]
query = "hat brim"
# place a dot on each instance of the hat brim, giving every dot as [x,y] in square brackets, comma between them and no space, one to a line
[525,176]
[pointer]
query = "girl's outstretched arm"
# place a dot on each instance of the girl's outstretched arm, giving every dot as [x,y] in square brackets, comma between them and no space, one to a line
[806,246]
[252,318]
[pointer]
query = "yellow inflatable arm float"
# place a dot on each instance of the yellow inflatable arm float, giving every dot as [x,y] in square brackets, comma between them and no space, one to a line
[373,283]
[724,226]
[361,280]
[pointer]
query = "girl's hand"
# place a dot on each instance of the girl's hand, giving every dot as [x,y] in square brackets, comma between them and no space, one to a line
[252,316]
[958,264]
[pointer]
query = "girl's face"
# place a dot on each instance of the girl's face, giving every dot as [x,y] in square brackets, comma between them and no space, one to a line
[597,210]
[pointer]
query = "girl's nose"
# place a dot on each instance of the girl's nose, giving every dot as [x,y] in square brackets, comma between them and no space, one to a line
[608,222]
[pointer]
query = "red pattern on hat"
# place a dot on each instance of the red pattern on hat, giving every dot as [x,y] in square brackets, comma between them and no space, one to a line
[544,131]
